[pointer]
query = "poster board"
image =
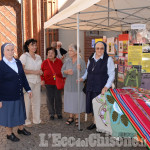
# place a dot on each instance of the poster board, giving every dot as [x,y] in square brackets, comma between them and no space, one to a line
[110,45]
[93,41]
[122,56]
[139,36]
[135,55]
[146,58]
[123,45]
[100,39]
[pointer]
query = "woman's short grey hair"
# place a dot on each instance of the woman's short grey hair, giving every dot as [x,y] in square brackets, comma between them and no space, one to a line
[73,46]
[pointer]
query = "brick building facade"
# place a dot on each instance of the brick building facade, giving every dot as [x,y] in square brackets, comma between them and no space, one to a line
[35,13]
[10,23]
[88,50]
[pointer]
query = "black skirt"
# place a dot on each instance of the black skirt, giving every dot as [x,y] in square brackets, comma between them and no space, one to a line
[89,97]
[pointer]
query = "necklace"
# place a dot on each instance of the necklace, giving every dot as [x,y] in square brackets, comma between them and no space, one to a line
[94,65]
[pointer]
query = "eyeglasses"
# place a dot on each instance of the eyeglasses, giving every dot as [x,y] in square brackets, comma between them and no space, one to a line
[100,48]
[70,51]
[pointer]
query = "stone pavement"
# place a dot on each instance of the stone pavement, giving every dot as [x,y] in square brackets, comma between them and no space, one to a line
[44,136]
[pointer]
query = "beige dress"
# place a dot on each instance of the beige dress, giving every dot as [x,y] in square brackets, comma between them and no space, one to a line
[34,82]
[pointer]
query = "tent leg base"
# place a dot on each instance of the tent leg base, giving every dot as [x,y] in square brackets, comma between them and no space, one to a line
[80,129]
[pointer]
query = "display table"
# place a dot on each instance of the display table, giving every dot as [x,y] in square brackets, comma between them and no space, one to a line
[135,105]
[109,117]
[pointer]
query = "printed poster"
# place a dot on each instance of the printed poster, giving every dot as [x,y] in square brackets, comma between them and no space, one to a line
[139,36]
[110,45]
[145,62]
[100,39]
[116,46]
[122,68]
[123,45]
[120,48]
[146,58]
[135,55]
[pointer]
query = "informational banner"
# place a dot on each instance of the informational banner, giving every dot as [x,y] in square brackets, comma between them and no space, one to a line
[110,45]
[134,55]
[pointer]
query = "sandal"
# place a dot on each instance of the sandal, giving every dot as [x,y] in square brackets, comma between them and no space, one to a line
[76,122]
[70,121]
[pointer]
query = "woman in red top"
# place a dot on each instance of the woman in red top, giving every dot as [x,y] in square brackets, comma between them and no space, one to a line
[54,99]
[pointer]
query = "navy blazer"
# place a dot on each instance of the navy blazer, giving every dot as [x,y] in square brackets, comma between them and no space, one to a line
[62,51]
[11,82]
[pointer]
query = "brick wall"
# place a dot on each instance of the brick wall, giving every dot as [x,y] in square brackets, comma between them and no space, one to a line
[34,23]
[33,19]
[42,30]
[10,23]
[88,50]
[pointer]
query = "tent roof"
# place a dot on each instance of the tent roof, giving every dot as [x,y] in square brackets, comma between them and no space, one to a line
[103,15]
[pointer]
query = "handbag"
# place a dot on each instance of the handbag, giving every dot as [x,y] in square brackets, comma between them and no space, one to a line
[60,82]
[84,88]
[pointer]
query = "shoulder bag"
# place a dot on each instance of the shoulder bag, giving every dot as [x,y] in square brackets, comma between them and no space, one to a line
[60,82]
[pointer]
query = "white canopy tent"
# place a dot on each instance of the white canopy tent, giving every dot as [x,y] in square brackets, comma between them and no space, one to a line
[103,15]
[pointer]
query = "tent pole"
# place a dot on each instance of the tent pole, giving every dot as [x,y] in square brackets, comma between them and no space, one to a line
[44,45]
[108,13]
[78,71]
[22,25]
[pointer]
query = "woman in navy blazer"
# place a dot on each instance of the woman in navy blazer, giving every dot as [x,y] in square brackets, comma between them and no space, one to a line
[12,82]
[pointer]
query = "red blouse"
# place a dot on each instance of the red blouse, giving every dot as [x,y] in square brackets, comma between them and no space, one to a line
[47,72]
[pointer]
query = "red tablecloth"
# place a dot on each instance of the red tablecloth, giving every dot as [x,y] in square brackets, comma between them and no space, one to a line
[133,103]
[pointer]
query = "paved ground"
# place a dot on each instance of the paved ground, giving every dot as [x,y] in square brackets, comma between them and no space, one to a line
[48,136]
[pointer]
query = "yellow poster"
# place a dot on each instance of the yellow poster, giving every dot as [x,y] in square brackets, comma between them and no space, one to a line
[134,55]
[125,46]
[96,40]
[146,63]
